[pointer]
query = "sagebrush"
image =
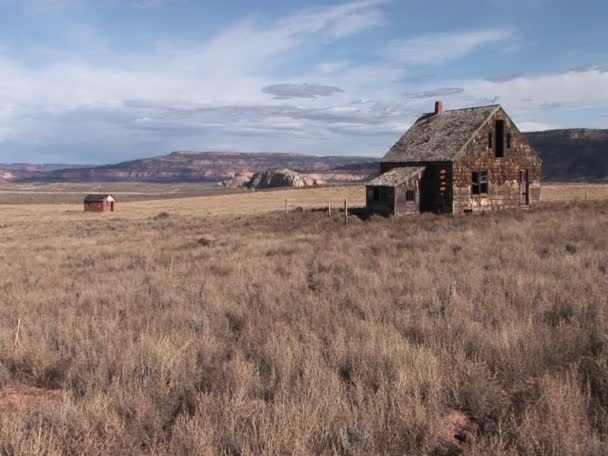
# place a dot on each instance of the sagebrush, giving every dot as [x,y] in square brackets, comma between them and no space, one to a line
[260,335]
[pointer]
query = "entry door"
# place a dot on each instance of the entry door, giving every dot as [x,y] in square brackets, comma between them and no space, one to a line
[524,188]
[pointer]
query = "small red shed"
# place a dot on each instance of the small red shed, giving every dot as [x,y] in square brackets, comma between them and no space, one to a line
[99,203]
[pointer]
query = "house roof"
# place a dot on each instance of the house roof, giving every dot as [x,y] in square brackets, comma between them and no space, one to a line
[439,137]
[396,176]
[98,198]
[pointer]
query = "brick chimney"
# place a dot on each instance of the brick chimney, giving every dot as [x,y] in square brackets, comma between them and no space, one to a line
[438,107]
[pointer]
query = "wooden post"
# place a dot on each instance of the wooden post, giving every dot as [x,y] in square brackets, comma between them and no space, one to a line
[285,209]
[345,212]
[17,341]
[329,209]
[585,195]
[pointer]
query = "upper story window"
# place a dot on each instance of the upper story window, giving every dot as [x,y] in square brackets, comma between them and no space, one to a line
[479,183]
[500,139]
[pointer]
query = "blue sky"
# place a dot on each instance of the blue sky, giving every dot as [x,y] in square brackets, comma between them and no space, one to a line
[92,81]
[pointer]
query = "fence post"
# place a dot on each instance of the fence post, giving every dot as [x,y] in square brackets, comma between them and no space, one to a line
[345,212]
[329,209]
[285,209]
[17,341]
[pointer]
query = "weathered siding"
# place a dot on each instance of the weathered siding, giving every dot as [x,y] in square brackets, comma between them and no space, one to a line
[404,207]
[385,205]
[435,187]
[503,173]
[393,200]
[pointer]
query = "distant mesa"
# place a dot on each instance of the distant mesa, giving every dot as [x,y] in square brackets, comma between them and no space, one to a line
[229,169]
[577,154]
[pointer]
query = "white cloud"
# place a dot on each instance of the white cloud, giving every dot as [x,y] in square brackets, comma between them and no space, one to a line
[443,47]
[332,67]
[357,22]
[223,71]
[537,126]
[538,101]
[561,91]
[191,95]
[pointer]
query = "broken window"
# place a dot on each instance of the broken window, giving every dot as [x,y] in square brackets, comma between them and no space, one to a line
[479,184]
[500,138]
[410,196]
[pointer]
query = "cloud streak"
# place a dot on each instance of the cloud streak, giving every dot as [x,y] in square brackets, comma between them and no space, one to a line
[440,92]
[305,90]
[437,48]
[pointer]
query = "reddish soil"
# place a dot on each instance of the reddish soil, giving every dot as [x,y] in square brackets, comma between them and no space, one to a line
[23,397]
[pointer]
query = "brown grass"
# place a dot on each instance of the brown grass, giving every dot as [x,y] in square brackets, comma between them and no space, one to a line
[252,334]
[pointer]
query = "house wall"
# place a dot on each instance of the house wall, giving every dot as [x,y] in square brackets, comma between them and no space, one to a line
[386,205]
[435,187]
[97,207]
[503,173]
[394,201]
[403,207]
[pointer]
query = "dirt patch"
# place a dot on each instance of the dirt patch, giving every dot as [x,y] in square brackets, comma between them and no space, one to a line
[22,397]
[457,429]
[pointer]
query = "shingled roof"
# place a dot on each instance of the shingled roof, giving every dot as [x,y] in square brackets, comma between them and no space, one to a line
[396,176]
[96,198]
[439,137]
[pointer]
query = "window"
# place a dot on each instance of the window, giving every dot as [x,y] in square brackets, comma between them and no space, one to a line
[443,181]
[500,139]
[490,140]
[479,183]
[508,140]
[410,195]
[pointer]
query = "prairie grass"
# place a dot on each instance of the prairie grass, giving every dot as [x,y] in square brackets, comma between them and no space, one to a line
[264,335]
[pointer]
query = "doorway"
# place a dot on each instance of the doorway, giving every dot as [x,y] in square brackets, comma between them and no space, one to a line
[524,188]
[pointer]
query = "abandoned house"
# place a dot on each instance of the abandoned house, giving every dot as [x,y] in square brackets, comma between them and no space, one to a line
[99,203]
[457,161]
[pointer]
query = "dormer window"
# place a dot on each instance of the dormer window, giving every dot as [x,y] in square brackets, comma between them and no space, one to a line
[500,139]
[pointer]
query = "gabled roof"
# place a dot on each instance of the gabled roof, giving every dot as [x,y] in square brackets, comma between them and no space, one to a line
[97,198]
[397,176]
[439,137]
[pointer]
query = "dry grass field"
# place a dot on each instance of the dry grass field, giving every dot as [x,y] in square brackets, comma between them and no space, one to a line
[214,326]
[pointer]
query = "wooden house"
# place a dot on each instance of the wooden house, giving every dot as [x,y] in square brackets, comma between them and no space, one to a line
[99,203]
[463,160]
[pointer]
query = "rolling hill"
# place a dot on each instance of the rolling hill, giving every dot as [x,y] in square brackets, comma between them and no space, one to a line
[576,154]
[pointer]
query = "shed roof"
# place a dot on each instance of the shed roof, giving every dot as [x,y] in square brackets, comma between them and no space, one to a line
[439,137]
[396,176]
[98,198]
